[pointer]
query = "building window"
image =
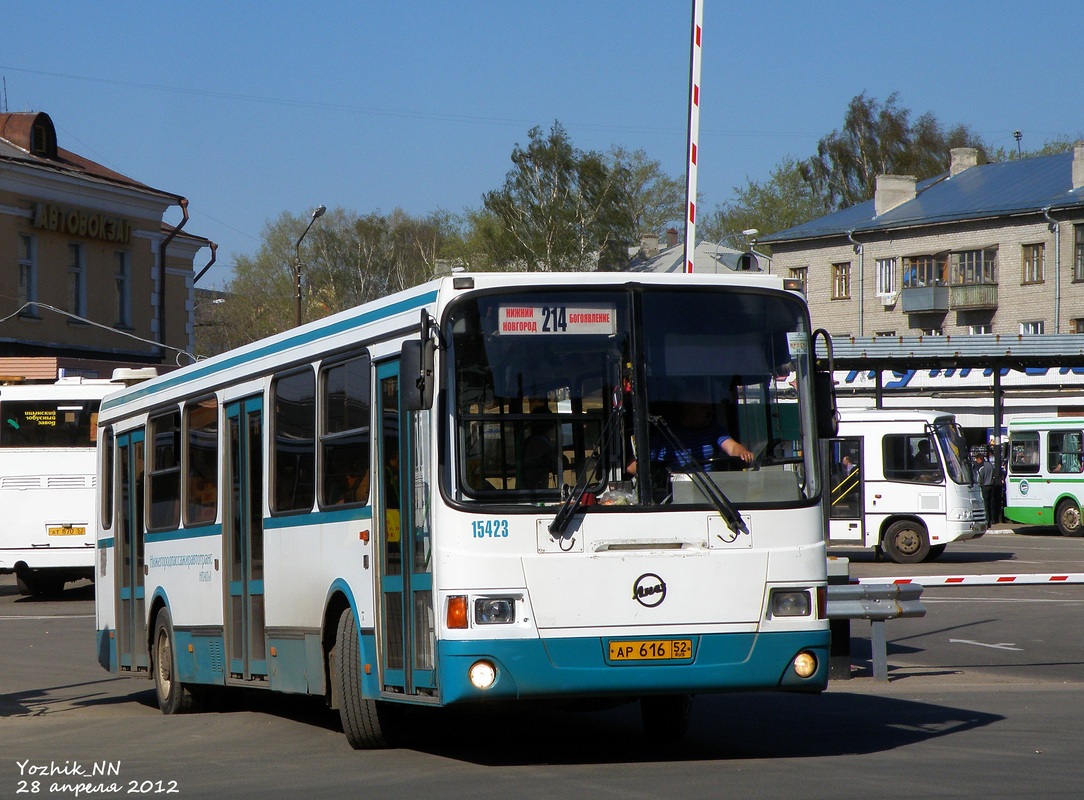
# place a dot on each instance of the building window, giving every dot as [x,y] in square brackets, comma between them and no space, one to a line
[972,267]
[801,274]
[884,333]
[886,277]
[77,281]
[921,271]
[974,330]
[841,281]
[1078,254]
[1036,326]
[1034,256]
[28,275]
[123,280]
[1076,325]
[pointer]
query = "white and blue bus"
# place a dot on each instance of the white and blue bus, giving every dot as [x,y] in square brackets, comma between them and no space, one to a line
[481,490]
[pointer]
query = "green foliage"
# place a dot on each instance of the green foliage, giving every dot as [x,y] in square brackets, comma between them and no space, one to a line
[558,207]
[655,200]
[1059,144]
[880,140]
[781,202]
[346,260]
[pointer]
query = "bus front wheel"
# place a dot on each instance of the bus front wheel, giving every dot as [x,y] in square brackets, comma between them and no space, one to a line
[1068,518]
[907,542]
[173,696]
[365,721]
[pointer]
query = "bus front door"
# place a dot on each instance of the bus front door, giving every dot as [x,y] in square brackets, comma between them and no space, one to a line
[132,653]
[846,523]
[406,637]
[243,541]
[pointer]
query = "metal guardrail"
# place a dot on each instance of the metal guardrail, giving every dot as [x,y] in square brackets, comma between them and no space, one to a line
[877,602]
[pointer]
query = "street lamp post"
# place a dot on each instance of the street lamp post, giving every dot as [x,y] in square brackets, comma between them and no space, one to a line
[747,233]
[318,212]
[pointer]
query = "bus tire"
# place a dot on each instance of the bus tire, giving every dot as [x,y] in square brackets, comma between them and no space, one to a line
[364,720]
[906,541]
[1068,518]
[173,696]
[666,717]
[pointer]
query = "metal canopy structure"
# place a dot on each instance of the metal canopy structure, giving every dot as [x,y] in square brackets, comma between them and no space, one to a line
[996,351]
[983,351]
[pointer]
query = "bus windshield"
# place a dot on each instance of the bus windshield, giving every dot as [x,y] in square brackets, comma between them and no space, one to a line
[954,446]
[629,392]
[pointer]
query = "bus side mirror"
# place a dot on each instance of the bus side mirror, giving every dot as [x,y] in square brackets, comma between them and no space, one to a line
[824,388]
[825,404]
[416,373]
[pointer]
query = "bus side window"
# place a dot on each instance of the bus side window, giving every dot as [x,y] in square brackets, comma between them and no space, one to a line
[1064,451]
[201,460]
[165,471]
[1024,453]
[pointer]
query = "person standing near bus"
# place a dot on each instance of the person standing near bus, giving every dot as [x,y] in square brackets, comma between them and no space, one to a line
[985,476]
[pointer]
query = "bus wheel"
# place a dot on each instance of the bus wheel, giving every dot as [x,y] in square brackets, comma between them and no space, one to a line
[1068,518]
[365,721]
[666,717]
[174,697]
[907,542]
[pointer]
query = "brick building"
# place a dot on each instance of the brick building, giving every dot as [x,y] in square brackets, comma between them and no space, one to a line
[992,248]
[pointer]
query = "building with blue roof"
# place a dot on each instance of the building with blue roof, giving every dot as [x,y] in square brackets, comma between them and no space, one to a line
[981,249]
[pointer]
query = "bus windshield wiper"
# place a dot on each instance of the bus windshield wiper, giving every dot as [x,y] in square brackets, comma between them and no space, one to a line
[572,502]
[700,477]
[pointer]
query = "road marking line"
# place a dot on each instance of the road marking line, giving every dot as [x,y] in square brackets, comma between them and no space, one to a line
[1002,646]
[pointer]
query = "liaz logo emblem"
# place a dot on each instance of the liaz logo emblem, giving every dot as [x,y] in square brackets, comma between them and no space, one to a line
[649,590]
[1024,487]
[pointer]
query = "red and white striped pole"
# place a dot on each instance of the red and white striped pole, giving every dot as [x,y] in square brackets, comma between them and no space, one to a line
[694,134]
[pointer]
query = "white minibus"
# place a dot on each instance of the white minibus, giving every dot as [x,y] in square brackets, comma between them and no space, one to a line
[901,482]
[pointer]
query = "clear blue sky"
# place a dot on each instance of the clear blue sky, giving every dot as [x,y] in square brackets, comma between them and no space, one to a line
[250,109]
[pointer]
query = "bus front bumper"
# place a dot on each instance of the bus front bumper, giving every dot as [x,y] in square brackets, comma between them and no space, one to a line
[583,667]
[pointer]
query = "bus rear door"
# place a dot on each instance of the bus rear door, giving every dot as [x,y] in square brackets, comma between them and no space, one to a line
[243,545]
[132,651]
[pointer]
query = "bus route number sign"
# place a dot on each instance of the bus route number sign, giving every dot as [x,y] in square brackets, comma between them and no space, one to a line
[523,320]
[652,650]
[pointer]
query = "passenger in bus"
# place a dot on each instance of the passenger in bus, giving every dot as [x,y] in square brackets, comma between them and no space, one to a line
[355,487]
[705,440]
[539,453]
[925,463]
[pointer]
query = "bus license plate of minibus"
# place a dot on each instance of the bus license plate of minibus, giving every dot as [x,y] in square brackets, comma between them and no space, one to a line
[652,650]
[67,530]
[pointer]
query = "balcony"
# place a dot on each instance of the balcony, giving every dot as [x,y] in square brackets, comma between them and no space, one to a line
[973,296]
[925,298]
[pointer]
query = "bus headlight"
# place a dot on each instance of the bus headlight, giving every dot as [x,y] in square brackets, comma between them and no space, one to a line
[482,674]
[960,514]
[790,603]
[805,665]
[494,610]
